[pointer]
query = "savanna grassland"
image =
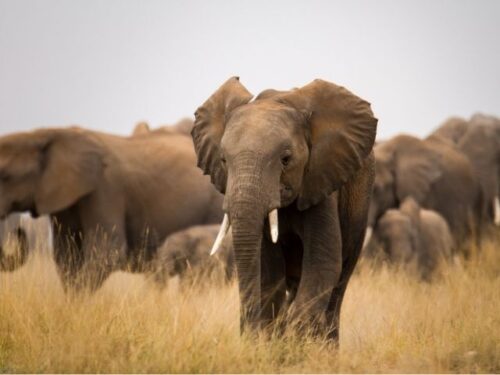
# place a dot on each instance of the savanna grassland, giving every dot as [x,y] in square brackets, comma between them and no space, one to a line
[391,322]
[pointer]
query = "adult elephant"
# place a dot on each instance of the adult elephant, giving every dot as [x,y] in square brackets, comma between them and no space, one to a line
[435,174]
[451,130]
[112,200]
[479,140]
[296,169]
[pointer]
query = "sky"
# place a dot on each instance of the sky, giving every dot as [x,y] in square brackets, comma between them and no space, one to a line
[108,64]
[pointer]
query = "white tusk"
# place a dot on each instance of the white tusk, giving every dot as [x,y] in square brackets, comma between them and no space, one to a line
[273,224]
[368,235]
[497,211]
[224,228]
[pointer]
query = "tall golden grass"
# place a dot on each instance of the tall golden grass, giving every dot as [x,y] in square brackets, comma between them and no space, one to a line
[391,322]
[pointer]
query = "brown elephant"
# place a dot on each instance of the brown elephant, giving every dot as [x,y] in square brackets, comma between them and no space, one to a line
[479,140]
[187,254]
[436,175]
[183,126]
[112,200]
[412,235]
[296,169]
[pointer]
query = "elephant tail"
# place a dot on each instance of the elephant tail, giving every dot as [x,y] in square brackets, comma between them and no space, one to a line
[12,262]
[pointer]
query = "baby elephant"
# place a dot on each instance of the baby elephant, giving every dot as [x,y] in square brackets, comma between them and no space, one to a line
[413,235]
[187,254]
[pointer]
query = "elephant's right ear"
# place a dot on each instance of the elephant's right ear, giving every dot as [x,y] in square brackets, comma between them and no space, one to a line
[209,127]
[416,172]
[73,165]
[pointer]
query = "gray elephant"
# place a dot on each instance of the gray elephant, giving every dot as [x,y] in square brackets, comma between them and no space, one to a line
[479,140]
[296,168]
[187,254]
[412,235]
[436,175]
[112,200]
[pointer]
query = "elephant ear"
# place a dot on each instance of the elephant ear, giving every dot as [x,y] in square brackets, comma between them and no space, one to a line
[209,127]
[342,132]
[72,167]
[416,170]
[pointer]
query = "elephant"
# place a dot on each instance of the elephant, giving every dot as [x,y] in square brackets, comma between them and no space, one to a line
[183,126]
[186,254]
[436,175]
[413,235]
[112,200]
[296,169]
[451,130]
[479,139]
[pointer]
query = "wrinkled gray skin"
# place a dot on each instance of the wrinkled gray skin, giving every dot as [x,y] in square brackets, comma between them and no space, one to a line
[412,235]
[479,140]
[112,200]
[187,254]
[307,153]
[436,175]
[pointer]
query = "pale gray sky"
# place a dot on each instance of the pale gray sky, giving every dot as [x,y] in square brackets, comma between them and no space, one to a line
[106,64]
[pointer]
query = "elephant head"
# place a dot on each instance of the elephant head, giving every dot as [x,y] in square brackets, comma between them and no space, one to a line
[48,170]
[290,148]
[404,167]
[398,232]
[451,130]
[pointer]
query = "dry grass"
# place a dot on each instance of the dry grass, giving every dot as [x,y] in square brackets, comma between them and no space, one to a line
[391,322]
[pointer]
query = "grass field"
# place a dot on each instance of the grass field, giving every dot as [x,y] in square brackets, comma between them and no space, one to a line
[390,321]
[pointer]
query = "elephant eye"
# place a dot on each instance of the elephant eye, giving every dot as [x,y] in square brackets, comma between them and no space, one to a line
[285,159]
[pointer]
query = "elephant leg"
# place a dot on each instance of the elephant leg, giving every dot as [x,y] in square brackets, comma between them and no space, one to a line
[354,201]
[67,248]
[321,265]
[273,287]
[104,250]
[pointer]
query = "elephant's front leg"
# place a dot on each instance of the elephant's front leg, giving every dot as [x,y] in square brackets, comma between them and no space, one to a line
[104,246]
[321,264]
[273,286]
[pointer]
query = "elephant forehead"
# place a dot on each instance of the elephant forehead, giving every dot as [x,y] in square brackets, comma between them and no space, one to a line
[257,125]
[263,115]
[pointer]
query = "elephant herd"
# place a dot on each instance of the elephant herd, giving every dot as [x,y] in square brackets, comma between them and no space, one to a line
[294,176]
[453,174]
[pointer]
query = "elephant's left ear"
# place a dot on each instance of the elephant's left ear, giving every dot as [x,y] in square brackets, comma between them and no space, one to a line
[342,130]
[209,127]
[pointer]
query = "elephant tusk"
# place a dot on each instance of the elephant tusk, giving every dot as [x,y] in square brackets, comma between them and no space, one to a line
[368,236]
[497,210]
[224,228]
[273,224]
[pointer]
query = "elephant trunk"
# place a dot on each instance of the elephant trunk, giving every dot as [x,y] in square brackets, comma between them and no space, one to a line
[248,204]
[12,262]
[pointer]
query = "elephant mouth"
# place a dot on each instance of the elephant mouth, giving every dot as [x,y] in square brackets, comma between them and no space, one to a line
[225,227]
